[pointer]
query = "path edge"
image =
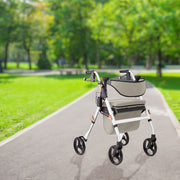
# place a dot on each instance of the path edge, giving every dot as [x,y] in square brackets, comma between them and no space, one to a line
[21,132]
[171,114]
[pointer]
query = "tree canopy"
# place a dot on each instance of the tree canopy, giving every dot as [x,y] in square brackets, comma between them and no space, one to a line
[102,32]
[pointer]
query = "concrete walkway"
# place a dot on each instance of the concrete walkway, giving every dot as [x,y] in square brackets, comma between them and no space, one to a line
[135,70]
[46,151]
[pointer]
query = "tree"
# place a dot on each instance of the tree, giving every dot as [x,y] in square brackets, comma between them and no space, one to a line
[115,22]
[27,27]
[146,27]
[155,18]
[73,36]
[8,25]
[42,34]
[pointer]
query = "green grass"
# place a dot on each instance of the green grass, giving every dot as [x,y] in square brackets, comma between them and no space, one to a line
[27,99]
[24,65]
[169,85]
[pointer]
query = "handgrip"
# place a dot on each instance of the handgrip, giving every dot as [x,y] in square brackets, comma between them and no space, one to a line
[92,76]
[128,76]
[138,78]
[124,71]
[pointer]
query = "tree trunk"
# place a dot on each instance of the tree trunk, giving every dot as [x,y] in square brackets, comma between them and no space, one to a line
[18,60]
[159,57]
[27,48]
[119,61]
[85,60]
[149,61]
[128,57]
[98,59]
[29,58]
[129,61]
[57,62]
[1,69]
[6,55]
[159,65]
[71,63]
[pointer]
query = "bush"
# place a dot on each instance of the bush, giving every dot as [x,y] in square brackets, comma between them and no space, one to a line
[43,62]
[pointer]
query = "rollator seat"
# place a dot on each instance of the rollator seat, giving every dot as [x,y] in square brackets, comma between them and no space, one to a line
[123,109]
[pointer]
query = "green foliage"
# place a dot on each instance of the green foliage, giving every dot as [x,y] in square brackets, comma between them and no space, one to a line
[72,36]
[8,21]
[101,32]
[146,27]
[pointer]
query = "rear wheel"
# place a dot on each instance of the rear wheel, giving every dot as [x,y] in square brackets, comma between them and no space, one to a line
[79,145]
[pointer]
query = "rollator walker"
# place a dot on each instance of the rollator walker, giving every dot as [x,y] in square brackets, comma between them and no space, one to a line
[120,115]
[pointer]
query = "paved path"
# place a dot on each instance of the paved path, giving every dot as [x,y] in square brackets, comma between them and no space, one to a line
[46,152]
[79,71]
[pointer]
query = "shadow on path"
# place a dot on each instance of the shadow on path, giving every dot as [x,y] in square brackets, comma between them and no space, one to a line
[77,160]
[107,171]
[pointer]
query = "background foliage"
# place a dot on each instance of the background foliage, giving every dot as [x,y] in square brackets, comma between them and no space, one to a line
[82,32]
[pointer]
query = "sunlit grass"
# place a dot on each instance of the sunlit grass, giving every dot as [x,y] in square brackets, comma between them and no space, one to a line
[169,85]
[22,65]
[25,65]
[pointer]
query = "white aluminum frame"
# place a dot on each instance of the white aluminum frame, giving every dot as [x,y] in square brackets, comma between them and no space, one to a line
[92,123]
[121,121]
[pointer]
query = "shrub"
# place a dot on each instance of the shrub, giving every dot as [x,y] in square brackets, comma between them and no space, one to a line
[43,62]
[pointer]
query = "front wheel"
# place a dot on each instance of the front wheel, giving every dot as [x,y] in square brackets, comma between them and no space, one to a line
[150,147]
[115,155]
[79,145]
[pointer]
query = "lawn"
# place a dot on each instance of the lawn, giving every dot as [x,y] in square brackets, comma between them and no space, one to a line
[22,65]
[169,85]
[27,99]
[25,65]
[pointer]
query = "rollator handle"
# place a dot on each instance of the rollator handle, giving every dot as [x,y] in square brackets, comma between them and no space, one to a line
[105,79]
[127,73]
[89,72]
[92,76]
[124,71]
[137,78]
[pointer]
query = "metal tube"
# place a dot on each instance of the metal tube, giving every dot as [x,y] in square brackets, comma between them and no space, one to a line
[152,128]
[97,75]
[119,135]
[132,75]
[92,124]
[130,120]
[109,108]
[89,131]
